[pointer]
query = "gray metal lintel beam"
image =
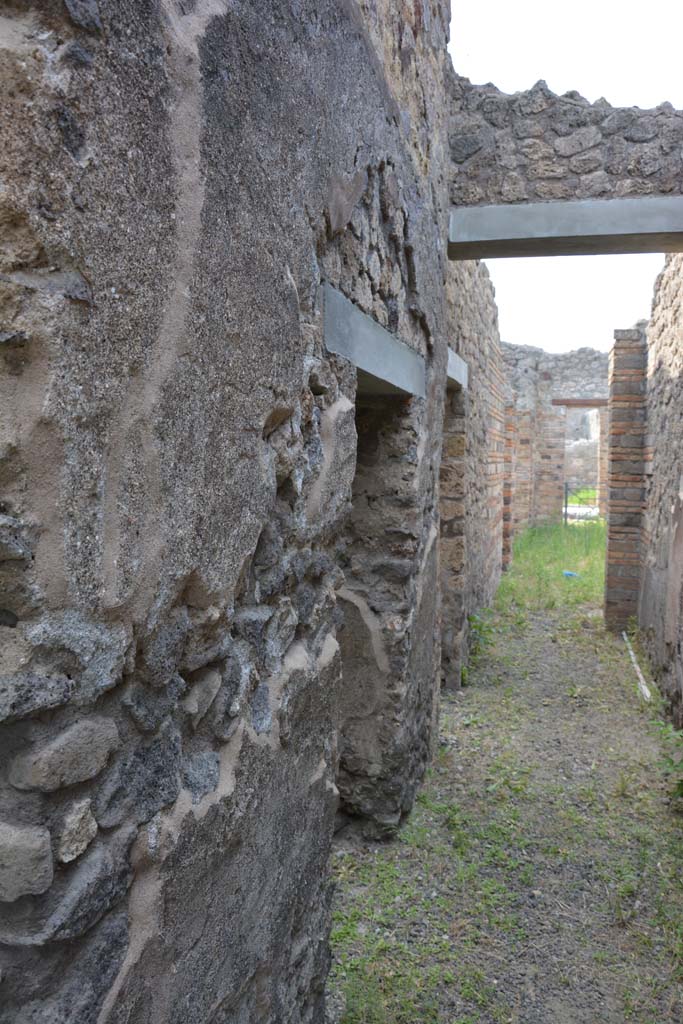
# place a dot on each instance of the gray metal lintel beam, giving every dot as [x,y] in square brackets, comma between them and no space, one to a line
[567,228]
[385,365]
[457,372]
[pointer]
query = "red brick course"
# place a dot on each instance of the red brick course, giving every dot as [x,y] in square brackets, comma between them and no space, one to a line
[627,453]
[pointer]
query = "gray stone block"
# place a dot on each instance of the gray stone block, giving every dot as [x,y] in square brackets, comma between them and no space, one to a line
[25,861]
[27,693]
[75,755]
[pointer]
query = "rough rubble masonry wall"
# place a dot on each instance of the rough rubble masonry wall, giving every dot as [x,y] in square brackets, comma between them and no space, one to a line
[471,465]
[177,457]
[537,429]
[661,595]
[535,146]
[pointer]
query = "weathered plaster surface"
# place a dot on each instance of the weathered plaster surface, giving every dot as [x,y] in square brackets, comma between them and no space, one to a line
[177,461]
[661,595]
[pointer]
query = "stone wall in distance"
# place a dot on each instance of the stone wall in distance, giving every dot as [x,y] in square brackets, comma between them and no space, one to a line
[534,379]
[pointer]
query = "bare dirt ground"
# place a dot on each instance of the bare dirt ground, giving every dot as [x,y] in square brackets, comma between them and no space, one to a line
[540,877]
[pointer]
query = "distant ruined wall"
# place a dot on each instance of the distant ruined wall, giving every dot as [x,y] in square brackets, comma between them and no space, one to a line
[538,429]
[661,595]
[472,464]
[536,146]
[536,377]
[582,447]
[178,467]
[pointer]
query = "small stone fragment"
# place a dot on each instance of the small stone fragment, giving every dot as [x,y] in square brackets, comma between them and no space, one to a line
[78,55]
[200,774]
[464,146]
[78,831]
[25,861]
[13,338]
[85,14]
[139,786]
[98,650]
[577,142]
[76,754]
[99,880]
[202,694]
[12,547]
[25,693]
[149,709]
[261,715]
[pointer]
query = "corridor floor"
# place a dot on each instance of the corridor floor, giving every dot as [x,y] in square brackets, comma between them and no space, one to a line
[540,878]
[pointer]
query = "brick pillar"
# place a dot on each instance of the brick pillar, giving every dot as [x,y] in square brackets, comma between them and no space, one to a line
[549,467]
[627,384]
[603,462]
[508,484]
[522,470]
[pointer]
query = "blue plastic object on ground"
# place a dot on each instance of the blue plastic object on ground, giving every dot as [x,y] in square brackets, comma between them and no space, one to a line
[567,572]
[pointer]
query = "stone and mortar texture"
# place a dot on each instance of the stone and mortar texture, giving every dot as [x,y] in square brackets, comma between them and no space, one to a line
[471,466]
[542,439]
[220,615]
[218,624]
[658,472]
[535,146]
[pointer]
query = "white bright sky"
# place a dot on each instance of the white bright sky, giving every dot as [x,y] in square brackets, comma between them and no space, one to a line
[630,53]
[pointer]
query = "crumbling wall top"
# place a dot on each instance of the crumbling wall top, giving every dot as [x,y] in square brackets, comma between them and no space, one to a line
[534,146]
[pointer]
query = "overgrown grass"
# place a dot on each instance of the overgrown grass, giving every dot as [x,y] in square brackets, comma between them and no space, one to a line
[541,554]
[542,836]
[584,496]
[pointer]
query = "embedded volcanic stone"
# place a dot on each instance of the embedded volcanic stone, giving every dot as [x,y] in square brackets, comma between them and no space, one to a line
[85,14]
[25,693]
[201,696]
[76,754]
[200,774]
[577,142]
[12,547]
[144,782]
[464,146]
[78,831]
[25,861]
[99,880]
[149,709]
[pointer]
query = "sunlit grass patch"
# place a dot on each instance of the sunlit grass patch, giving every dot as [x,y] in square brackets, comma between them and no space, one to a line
[542,554]
[584,496]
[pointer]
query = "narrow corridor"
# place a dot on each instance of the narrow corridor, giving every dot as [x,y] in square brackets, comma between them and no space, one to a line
[539,880]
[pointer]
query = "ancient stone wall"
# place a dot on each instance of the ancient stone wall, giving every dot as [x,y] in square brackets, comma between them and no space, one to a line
[582,442]
[177,462]
[545,431]
[660,605]
[535,146]
[472,468]
[219,559]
